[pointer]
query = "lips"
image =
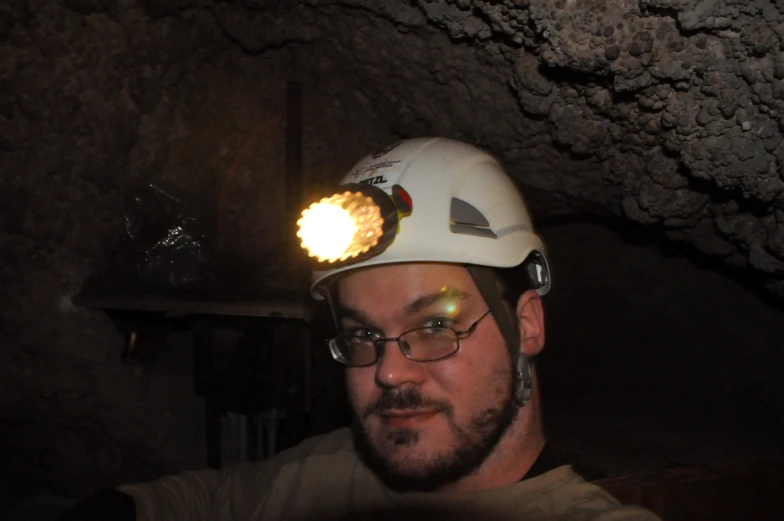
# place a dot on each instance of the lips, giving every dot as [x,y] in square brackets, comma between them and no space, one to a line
[406,417]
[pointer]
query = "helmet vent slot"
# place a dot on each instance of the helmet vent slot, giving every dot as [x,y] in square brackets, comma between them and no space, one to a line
[467,220]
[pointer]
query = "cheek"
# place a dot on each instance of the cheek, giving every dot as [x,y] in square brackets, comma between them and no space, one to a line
[360,385]
[475,374]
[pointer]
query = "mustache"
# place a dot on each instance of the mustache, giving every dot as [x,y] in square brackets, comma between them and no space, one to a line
[402,399]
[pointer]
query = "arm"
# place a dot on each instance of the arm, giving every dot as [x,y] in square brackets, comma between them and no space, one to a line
[189,496]
[238,494]
[104,505]
[192,496]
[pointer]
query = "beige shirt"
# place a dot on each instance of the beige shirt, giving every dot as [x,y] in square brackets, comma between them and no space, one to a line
[322,479]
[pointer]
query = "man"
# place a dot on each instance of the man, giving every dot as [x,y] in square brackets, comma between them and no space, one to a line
[437,330]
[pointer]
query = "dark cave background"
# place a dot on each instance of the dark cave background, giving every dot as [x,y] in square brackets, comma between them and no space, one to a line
[646,136]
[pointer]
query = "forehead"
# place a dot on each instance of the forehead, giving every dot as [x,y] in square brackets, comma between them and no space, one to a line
[398,284]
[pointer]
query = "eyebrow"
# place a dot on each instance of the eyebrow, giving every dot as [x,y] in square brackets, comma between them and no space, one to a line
[411,308]
[426,301]
[355,315]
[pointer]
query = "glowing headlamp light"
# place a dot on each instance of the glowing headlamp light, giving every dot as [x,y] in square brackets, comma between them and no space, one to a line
[350,224]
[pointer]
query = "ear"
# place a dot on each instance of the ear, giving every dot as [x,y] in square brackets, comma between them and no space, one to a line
[530,318]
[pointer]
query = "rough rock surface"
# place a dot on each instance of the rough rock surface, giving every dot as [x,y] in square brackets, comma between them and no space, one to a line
[665,113]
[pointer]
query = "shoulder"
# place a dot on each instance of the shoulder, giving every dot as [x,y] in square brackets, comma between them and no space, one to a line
[579,500]
[314,476]
[335,443]
[332,447]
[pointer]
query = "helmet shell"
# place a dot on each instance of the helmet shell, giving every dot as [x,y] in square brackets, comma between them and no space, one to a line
[466,209]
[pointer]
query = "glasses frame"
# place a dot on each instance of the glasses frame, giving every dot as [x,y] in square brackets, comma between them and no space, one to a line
[380,343]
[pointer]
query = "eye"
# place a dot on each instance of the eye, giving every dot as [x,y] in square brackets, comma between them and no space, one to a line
[362,333]
[438,322]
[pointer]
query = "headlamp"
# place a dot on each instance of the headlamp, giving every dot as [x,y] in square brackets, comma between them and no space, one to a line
[359,221]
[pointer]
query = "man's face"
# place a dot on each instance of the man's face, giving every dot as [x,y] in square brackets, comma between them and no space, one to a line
[422,425]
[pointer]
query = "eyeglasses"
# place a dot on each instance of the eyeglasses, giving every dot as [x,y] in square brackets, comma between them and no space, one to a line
[423,344]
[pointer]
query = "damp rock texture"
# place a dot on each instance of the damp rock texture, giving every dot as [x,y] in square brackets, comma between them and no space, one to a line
[76,81]
[666,114]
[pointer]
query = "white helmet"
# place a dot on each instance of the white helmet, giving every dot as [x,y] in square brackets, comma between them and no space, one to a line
[465,210]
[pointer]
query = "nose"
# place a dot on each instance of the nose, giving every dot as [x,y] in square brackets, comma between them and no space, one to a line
[393,369]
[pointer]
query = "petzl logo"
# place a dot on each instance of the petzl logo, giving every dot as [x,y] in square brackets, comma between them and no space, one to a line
[378,180]
[386,150]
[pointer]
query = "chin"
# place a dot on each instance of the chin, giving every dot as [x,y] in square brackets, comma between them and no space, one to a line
[408,452]
[409,467]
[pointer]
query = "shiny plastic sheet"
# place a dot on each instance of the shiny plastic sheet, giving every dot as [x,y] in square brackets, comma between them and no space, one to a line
[168,236]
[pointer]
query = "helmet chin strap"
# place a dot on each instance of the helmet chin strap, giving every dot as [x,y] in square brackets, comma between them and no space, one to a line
[485,280]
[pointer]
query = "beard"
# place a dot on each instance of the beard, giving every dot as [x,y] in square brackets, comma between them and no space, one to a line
[471,443]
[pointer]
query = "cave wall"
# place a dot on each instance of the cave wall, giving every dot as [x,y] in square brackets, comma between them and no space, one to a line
[654,112]
[663,112]
[97,96]
[673,362]
[77,92]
